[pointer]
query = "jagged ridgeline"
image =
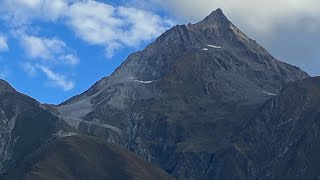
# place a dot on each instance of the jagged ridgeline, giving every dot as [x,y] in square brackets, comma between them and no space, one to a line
[203,101]
[180,102]
[35,144]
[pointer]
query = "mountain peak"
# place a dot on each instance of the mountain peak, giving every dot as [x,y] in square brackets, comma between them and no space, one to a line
[216,17]
[217,12]
[5,86]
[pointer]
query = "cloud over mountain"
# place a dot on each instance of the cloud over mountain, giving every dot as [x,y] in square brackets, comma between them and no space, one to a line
[112,27]
[95,22]
[288,28]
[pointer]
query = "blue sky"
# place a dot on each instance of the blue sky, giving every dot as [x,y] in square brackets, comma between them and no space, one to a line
[54,49]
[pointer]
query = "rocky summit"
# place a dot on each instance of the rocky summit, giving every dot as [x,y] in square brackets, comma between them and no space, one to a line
[203,101]
[181,101]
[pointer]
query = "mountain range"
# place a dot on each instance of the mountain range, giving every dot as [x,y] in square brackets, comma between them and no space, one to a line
[203,101]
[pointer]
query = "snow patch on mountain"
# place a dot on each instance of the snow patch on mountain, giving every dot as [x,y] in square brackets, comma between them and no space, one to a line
[139,81]
[213,46]
[269,93]
[145,82]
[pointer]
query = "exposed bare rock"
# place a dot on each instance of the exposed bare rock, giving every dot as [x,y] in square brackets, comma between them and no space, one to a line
[180,101]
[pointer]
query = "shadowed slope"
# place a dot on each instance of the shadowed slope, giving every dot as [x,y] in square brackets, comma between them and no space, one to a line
[183,98]
[85,158]
[282,140]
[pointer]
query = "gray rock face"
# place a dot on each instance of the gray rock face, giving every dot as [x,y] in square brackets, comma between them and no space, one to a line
[24,126]
[36,144]
[180,102]
[286,131]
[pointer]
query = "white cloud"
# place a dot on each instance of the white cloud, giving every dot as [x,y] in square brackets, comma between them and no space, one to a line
[21,12]
[69,59]
[57,79]
[42,48]
[144,25]
[44,52]
[4,73]
[29,68]
[95,22]
[288,28]
[48,49]
[259,15]
[3,44]
[113,27]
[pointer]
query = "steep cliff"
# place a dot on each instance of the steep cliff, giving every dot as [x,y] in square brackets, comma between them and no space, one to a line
[180,102]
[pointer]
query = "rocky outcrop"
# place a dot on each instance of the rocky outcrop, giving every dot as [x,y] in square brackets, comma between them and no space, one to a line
[36,144]
[180,102]
[24,125]
[203,101]
[281,141]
